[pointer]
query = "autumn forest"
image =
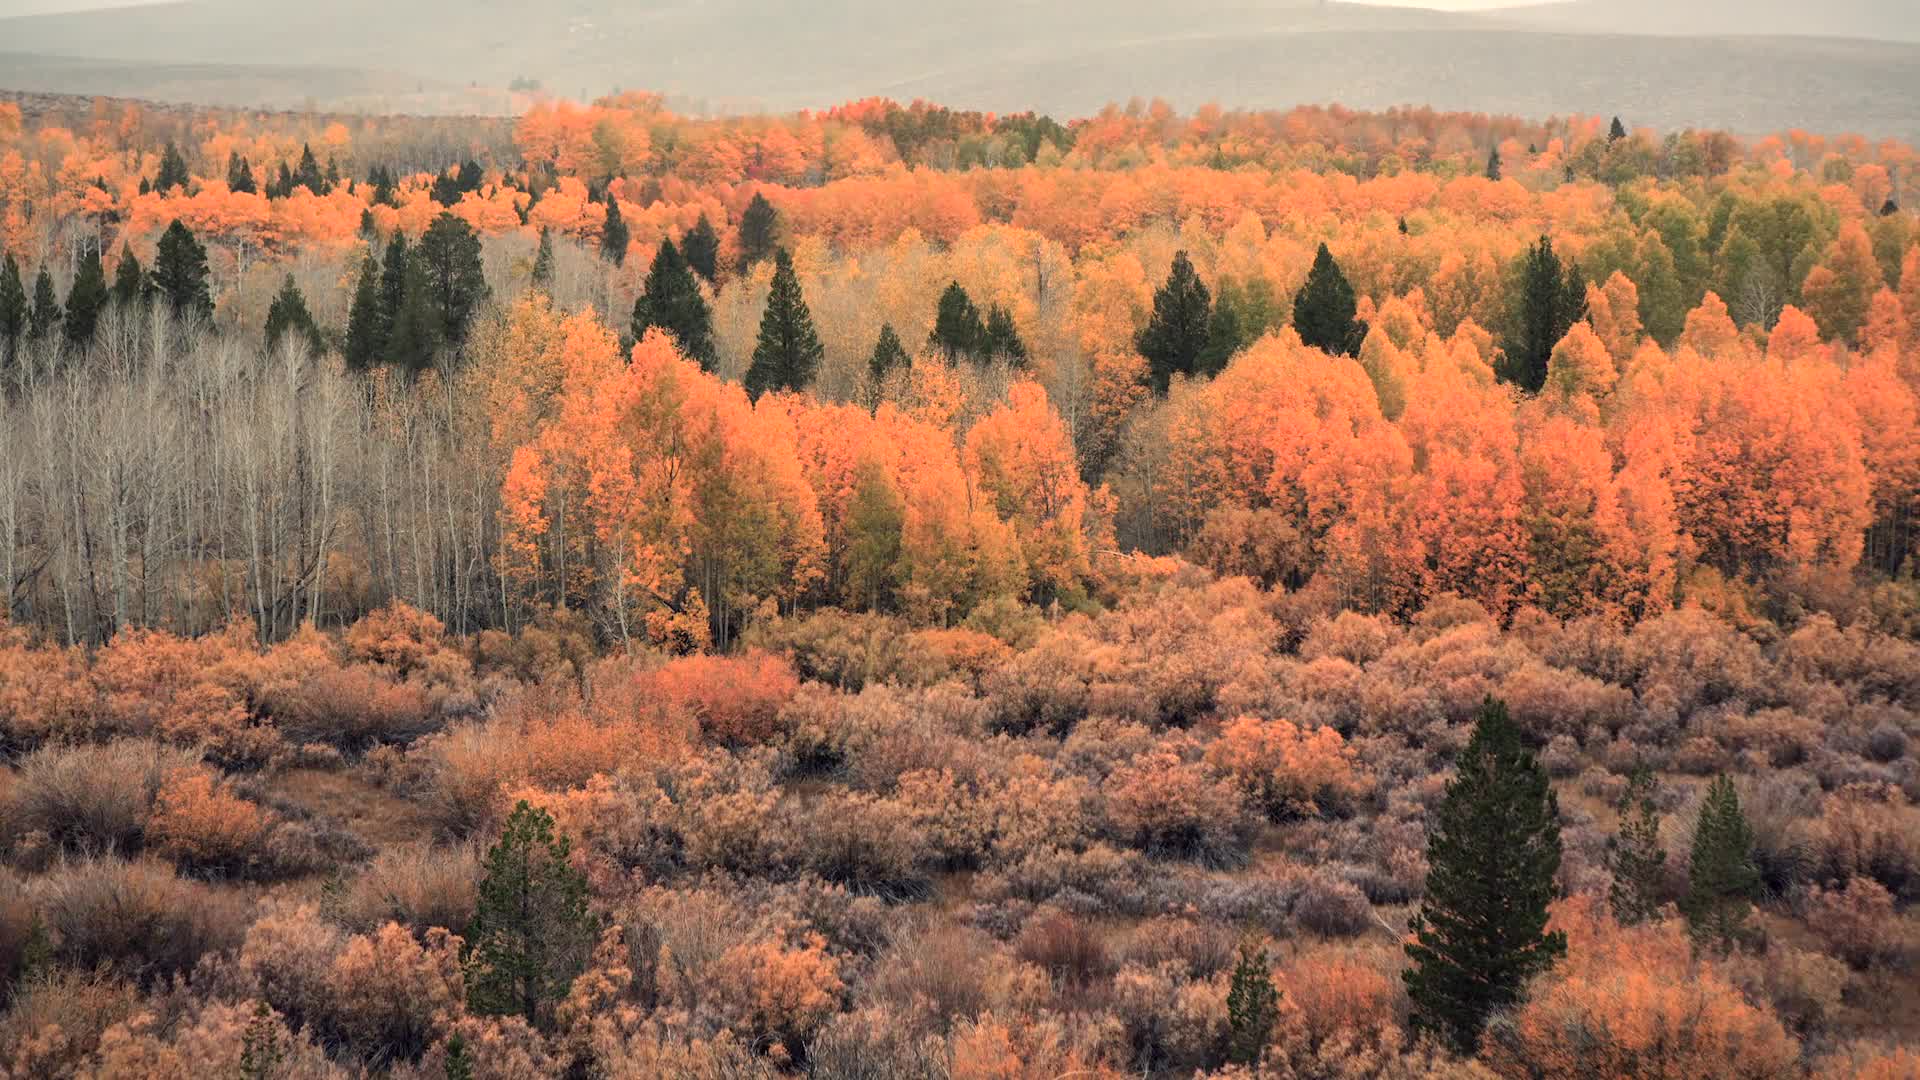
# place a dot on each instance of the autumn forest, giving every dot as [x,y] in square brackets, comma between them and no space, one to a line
[897,591]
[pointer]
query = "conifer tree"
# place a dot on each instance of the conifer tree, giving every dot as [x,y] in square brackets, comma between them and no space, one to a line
[288,314]
[308,174]
[1224,338]
[958,330]
[13,308]
[1548,300]
[45,313]
[759,229]
[701,248]
[173,170]
[1494,170]
[393,283]
[261,1055]
[180,272]
[1324,309]
[614,235]
[129,280]
[459,1063]
[86,298]
[1002,338]
[1634,854]
[1616,132]
[889,355]
[1253,1005]
[543,261]
[366,343]
[1493,850]
[788,351]
[449,260]
[240,176]
[414,340]
[672,302]
[1176,334]
[1722,879]
[531,932]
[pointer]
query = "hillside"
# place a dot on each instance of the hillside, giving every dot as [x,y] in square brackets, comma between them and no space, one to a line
[1002,54]
[1883,20]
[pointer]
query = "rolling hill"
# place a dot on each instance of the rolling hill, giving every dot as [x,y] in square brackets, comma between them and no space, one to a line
[1882,20]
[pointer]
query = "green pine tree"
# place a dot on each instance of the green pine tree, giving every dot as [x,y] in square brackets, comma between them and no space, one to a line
[129,279]
[1722,879]
[288,314]
[614,235]
[173,170]
[788,351]
[449,259]
[1253,1005]
[1324,309]
[701,247]
[531,932]
[413,342]
[367,326]
[394,268]
[14,309]
[1176,333]
[543,261]
[44,316]
[261,1054]
[1548,299]
[240,176]
[1002,338]
[459,1063]
[180,272]
[1224,339]
[1494,170]
[1616,132]
[759,232]
[86,298]
[308,174]
[1493,851]
[672,302]
[958,330]
[1634,854]
[889,355]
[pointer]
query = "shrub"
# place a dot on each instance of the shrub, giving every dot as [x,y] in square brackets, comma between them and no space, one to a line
[94,798]
[1171,807]
[398,636]
[780,992]
[1069,950]
[857,840]
[735,699]
[45,695]
[1340,997]
[416,885]
[1858,924]
[390,994]
[875,1044]
[1869,831]
[153,683]
[136,916]
[1285,770]
[244,1039]
[350,708]
[199,823]
[57,1018]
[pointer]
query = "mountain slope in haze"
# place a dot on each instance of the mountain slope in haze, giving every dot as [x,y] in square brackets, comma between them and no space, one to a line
[1067,58]
[1877,20]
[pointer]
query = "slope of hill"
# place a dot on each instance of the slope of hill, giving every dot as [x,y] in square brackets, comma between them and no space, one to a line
[1882,20]
[1066,58]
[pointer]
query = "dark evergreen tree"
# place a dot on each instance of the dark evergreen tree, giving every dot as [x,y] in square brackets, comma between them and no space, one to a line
[449,259]
[1634,854]
[261,1054]
[672,302]
[531,932]
[1890,207]
[614,235]
[958,330]
[44,316]
[1224,338]
[889,355]
[382,181]
[759,230]
[173,170]
[366,343]
[13,308]
[288,314]
[86,298]
[332,177]
[393,284]
[369,228]
[180,272]
[240,176]
[701,248]
[1548,299]
[1176,334]
[1722,879]
[413,343]
[543,261]
[1493,850]
[459,1063]
[308,174]
[1002,338]
[129,279]
[788,351]
[1617,132]
[1494,171]
[281,185]
[1324,309]
[1253,1006]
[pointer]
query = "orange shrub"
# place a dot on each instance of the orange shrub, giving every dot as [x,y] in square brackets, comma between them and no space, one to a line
[399,636]
[781,992]
[1169,806]
[198,822]
[735,699]
[1285,770]
[44,693]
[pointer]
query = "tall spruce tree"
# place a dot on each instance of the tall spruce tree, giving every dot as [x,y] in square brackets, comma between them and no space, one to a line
[44,317]
[180,272]
[1493,851]
[1324,309]
[889,355]
[308,174]
[129,279]
[173,170]
[759,231]
[288,314]
[1494,170]
[1722,879]
[672,302]
[13,308]
[366,343]
[701,247]
[413,342]
[1224,338]
[788,351]
[1002,338]
[1253,1006]
[1617,131]
[543,261]
[531,932]
[614,235]
[393,282]
[86,298]
[958,331]
[449,260]
[1548,299]
[240,176]
[1176,334]
[1634,854]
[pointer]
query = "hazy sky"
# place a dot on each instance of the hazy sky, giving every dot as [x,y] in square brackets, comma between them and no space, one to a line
[39,7]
